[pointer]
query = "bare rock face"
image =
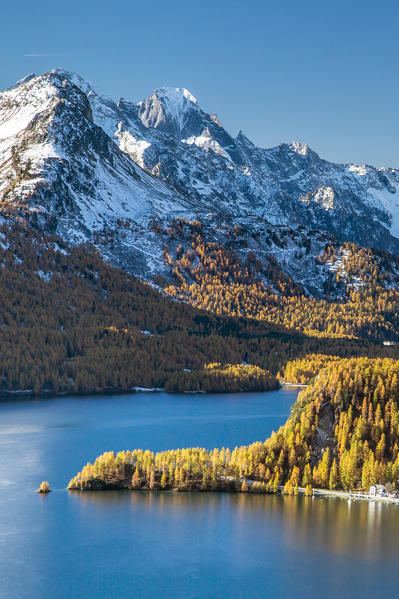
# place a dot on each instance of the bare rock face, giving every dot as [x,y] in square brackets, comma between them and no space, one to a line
[324,433]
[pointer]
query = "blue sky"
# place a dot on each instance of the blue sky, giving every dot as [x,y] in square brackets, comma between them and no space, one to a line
[325,73]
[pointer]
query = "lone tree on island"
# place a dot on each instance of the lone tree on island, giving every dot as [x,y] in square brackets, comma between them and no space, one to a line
[44,487]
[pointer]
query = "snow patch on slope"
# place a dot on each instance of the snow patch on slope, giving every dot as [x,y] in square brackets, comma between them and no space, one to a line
[131,145]
[206,142]
[16,113]
[390,203]
[360,170]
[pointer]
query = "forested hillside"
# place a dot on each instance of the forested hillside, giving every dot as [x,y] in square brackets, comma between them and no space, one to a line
[363,285]
[72,324]
[343,433]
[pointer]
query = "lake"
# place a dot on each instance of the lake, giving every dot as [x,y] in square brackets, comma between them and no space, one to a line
[171,545]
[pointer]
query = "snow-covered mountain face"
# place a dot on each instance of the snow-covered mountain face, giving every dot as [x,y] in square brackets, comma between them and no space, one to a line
[170,136]
[76,163]
[61,172]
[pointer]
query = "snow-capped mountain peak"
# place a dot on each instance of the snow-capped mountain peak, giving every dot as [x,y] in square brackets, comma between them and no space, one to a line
[23,80]
[171,136]
[170,109]
[243,138]
[61,170]
[85,86]
[71,159]
[175,96]
[299,147]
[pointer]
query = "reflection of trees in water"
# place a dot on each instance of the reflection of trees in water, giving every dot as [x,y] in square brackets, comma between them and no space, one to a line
[183,503]
[358,529]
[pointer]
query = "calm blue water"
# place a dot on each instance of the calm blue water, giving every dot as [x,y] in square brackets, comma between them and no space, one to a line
[169,545]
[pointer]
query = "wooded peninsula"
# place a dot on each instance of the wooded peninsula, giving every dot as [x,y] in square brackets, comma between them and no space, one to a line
[343,433]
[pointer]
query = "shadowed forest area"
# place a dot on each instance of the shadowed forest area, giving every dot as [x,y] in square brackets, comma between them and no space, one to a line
[70,323]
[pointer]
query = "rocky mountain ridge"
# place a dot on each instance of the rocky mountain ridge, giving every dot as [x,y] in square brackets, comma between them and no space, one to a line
[78,164]
[169,135]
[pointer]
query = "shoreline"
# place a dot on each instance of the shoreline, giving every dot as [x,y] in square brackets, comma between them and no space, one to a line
[29,394]
[301,385]
[348,495]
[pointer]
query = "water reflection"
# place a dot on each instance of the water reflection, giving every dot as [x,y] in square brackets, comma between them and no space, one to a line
[358,528]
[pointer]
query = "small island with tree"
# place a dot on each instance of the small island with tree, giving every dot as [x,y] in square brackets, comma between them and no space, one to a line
[44,488]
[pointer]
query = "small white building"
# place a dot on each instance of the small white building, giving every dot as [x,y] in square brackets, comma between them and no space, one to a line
[377,491]
[388,343]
